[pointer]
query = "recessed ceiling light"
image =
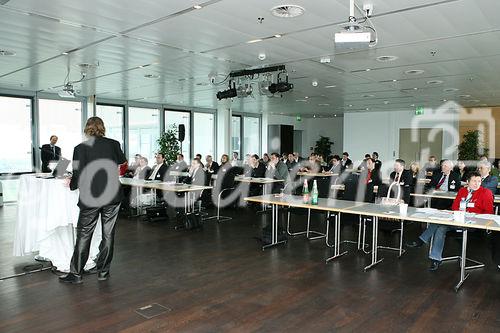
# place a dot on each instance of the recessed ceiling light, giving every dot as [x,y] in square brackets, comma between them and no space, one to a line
[412,104]
[415,88]
[325,60]
[367,95]
[473,101]
[335,115]
[450,89]
[287,11]
[350,105]
[7,53]
[386,58]
[197,7]
[323,104]
[394,80]
[386,102]
[306,97]
[464,96]
[367,109]
[434,82]
[332,86]
[65,53]
[151,76]
[301,100]
[368,69]
[278,35]
[444,100]
[414,71]
[314,116]
[254,41]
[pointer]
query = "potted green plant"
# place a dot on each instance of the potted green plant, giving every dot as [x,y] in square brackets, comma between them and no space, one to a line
[323,147]
[471,148]
[168,144]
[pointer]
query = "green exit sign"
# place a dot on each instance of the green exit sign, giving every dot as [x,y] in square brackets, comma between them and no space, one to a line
[299,118]
[419,110]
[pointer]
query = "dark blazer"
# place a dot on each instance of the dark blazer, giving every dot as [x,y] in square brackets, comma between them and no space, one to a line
[214,167]
[405,182]
[95,184]
[48,155]
[491,183]
[453,181]
[259,171]
[347,164]
[375,180]
[160,175]
[378,165]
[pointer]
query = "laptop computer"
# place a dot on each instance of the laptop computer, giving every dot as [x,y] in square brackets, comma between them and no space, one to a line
[59,170]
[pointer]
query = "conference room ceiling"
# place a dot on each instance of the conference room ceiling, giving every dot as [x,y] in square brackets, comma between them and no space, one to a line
[456,43]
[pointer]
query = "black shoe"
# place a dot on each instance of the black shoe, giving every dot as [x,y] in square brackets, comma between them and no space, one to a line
[103,276]
[434,265]
[417,243]
[71,278]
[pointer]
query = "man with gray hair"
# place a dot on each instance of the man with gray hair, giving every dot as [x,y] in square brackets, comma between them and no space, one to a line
[487,181]
[446,180]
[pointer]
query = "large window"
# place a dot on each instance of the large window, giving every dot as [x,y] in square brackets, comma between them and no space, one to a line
[236,135]
[144,131]
[112,115]
[204,134]
[63,119]
[175,118]
[251,132]
[15,134]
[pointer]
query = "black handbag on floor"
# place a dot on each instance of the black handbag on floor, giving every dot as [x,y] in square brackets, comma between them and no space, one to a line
[192,221]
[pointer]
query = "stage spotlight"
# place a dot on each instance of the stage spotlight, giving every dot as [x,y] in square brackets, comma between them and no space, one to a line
[229,93]
[280,87]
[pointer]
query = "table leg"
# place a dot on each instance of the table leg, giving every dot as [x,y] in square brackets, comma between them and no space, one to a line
[274,228]
[375,259]
[463,261]
[337,239]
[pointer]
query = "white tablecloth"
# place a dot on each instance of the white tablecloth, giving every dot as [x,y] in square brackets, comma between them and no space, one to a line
[46,217]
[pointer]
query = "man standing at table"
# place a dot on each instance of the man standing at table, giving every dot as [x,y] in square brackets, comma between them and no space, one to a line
[95,174]
[50,152]
[478,200]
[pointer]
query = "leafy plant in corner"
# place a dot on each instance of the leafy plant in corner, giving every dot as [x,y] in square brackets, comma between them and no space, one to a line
[471,148]
[168,144]
[323,147]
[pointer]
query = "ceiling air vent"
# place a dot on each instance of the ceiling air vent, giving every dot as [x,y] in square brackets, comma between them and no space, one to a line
[287,11]
[7,53]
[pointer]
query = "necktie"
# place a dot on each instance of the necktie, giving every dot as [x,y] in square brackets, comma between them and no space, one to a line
[441,181]
[469,196]
[53,152]
[398,176]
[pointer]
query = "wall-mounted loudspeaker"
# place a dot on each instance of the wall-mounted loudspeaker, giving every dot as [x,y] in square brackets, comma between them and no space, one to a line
[182,132]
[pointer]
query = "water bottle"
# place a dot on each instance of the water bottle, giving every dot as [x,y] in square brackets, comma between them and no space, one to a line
[305,192]
[463,205]
[314,194]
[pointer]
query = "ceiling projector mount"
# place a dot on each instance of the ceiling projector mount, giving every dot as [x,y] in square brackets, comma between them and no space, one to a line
[356,34]
[68,90]
[270,80]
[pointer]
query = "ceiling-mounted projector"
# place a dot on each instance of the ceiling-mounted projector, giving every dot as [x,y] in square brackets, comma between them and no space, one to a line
[68,91]
[356,35]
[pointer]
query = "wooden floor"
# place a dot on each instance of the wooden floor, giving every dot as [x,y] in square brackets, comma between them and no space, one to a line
[219,280]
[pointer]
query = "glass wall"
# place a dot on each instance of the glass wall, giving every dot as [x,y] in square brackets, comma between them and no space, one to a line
[112,115]
[175,118]
[235,136]
[143,132]
[63,119]
[204,140]
[15,134]
[251,132]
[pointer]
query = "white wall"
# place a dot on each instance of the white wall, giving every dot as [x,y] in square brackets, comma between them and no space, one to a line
[365,132]
[311,129]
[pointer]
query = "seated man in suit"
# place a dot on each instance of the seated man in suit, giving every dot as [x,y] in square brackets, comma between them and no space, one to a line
[402,178]
[50,153]
[446,180]
[478,200]
[346,161]
[211,166]
[378,163]
[487,181]
[196,174]
[276,169]
[369,178]
[431,166]
[160,169]
[180,165]
[143,170]
[336,167]
[290,162]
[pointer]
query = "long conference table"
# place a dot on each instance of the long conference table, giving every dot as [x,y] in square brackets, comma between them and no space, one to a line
[377,211]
